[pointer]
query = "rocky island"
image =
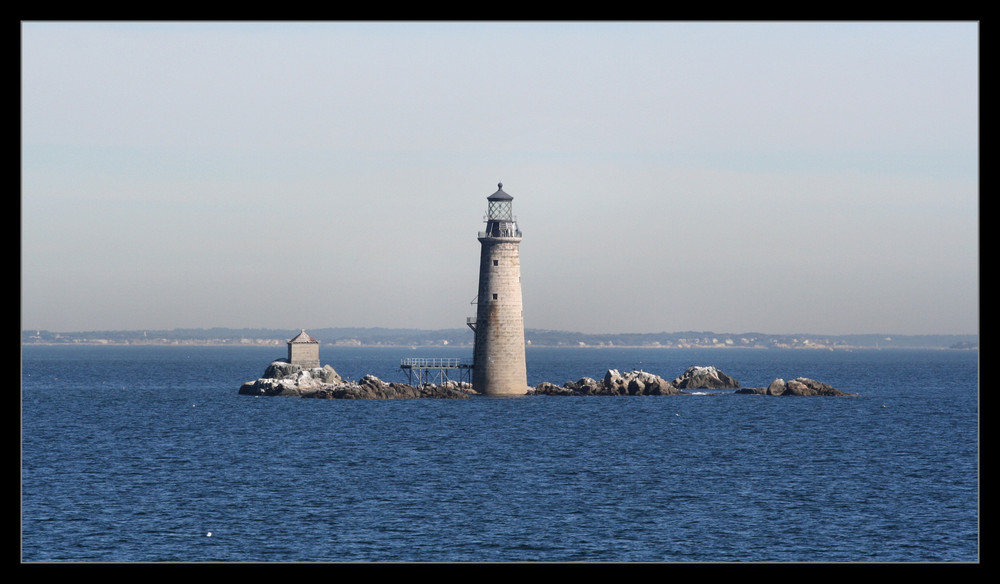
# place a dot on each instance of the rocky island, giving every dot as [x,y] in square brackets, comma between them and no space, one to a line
[800,386]
[287,379]
[282,378]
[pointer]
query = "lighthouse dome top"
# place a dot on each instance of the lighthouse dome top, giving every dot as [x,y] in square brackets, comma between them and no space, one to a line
[500,195]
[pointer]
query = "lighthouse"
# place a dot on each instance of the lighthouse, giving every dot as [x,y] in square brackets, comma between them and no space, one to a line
[498,367]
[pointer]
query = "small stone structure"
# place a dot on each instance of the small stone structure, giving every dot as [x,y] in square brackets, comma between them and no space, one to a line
[303,350]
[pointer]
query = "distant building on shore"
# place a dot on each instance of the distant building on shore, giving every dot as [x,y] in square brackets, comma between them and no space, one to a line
[303,350]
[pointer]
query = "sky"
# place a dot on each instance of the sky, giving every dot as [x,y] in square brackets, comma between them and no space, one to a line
[771,177]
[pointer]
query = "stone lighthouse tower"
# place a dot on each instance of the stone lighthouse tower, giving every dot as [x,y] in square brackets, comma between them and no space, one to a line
[499,351]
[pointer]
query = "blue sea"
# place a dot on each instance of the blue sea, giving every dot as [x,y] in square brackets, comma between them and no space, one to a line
[148,454]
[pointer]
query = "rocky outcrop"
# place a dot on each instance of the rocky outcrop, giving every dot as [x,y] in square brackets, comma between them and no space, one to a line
[698,377]
[797,386]
[371,387]
[281,368]
[285,379]
[614,383]
[282,378]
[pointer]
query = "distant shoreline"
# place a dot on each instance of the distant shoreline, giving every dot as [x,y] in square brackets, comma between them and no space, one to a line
[281,346]
[463,338]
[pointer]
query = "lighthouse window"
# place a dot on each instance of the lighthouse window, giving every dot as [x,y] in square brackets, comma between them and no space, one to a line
[494,297]
[496,262]
[500,210]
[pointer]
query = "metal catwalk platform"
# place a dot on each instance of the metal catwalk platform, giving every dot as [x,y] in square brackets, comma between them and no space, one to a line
[436,371]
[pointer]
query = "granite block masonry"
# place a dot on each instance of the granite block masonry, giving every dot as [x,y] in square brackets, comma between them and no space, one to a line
[499,364]
[303,350]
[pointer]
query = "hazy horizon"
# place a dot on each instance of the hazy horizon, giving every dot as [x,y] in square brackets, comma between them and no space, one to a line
[781,178]
[292,330]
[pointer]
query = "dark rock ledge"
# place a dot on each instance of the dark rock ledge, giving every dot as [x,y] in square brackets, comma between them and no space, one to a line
[284,379]
[798,386]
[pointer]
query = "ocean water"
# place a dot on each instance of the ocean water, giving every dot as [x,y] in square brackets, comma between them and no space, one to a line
[148,454]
